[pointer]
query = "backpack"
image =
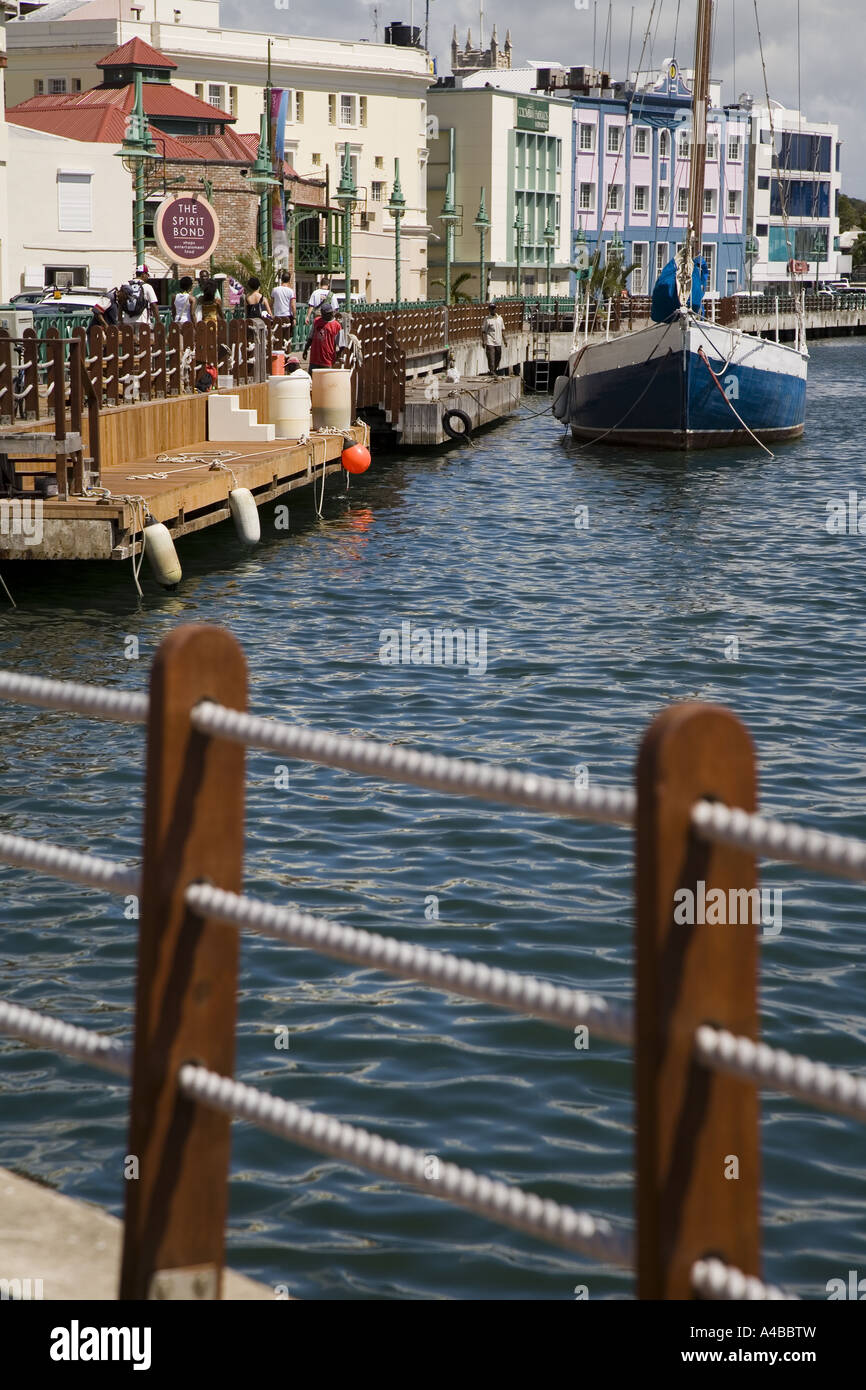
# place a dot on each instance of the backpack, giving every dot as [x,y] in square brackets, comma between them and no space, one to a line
[134,302]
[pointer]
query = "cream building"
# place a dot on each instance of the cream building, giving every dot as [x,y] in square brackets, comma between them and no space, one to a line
[6,10]
[369,95]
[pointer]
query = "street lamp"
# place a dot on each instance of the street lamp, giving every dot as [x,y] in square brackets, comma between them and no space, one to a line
[397,209]
[518,246]
[549,243]
[581,258]
[752,250]
[346,195]
[137,148]
[450,216]
[261,177]
[482,226]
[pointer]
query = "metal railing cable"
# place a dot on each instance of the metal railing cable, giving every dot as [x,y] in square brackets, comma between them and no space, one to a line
[502,1202]
[370,757]
[711,1278]
[504,988]
[774,839]
[826,1087]
[508,1205]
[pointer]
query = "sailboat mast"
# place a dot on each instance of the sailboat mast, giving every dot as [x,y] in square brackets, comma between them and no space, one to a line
[700,109]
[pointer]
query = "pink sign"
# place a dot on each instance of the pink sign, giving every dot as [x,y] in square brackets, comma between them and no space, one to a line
[186,228]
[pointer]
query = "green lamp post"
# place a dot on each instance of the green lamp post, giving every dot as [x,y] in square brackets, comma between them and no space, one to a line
[518,245]
[482,226]
[261,177]
[450,216]
[752,248]
[819,248]
[346,195]
[137,148]
[397,209]
[549,243]
[581,258]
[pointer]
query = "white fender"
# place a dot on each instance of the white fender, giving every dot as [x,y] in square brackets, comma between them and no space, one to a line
[560,392]
[162,556]
[245,515]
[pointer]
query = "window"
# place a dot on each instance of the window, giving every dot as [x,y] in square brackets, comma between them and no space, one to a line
[63,276]
[74,207]
[664,144]
[76,84]
[765,137]
[712,147]
[379,162]
[684,145]
[614,139]
[663,255]
[710,202]
[332,109]
[377,192]
[199,90]
[641,198]
[299,106]
[641,140]
[587,197]
[734,199]
[558,156]
[735,148]
[317,160]
[233,101]
[38,87]
[762,229]
[664,199]
[764,183]
[682,201]
[614,197]
[640,257]
[348,111]
[56,86]
[708,251]
[215,94]
[362,102]
[587,137]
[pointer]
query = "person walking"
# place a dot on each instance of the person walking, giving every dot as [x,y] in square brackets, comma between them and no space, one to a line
[136,299]
[182,303]
[284,297]
[493,338]
[210,307]
[323,342]
[257,305]
[323,295]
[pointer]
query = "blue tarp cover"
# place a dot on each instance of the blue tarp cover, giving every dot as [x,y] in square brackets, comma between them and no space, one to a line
[665,301]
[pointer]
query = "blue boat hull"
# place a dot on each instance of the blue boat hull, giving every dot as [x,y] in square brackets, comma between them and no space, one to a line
[685,385]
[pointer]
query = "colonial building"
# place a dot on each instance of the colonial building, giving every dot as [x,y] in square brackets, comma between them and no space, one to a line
[518,150]
[6,11]
[371,96]
[468,60]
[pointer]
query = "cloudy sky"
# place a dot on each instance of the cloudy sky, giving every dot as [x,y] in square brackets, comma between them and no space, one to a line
[831,46]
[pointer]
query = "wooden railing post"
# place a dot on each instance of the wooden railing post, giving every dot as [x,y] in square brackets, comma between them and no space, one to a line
[187,969]
[698,1150]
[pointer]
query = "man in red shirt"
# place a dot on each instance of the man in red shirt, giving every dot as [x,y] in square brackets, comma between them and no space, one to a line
[325,342]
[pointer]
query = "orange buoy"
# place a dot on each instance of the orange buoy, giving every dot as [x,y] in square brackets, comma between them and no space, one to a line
[356,458]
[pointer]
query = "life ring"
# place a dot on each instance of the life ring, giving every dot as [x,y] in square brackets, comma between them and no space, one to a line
[449,429]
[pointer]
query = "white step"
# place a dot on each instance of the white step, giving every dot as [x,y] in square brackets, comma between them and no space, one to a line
[228,423]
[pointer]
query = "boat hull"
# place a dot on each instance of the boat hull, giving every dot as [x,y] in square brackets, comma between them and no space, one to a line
[682,385]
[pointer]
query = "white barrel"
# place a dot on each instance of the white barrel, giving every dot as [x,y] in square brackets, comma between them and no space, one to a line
[245,515]
[161,555]
[289,409]
[332,398]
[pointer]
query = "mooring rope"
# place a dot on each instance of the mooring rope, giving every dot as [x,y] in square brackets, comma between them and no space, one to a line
[828,1088]
[713,1279]
[504,988]
[487,781]
[510,1206]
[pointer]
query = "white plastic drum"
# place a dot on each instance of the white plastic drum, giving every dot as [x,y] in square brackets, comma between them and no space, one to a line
[289,409]
[332,398]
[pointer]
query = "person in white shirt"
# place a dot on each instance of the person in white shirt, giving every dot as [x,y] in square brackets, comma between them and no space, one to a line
[183,301]
[323,295]
[493,338]
[283,297]
[142,275]
[294,368]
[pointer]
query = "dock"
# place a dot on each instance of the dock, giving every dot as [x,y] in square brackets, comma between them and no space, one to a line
[485,400]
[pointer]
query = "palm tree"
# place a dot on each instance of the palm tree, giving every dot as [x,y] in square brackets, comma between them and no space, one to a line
[250,263]
[609,280]
[458,296]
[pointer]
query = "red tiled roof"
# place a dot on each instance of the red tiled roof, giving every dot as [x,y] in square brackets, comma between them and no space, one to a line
[135,53]
[99,124]
[160,99]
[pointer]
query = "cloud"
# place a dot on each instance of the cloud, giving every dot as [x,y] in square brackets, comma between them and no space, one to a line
[831,83]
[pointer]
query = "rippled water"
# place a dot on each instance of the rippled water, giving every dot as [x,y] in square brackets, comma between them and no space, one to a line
[590,631]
